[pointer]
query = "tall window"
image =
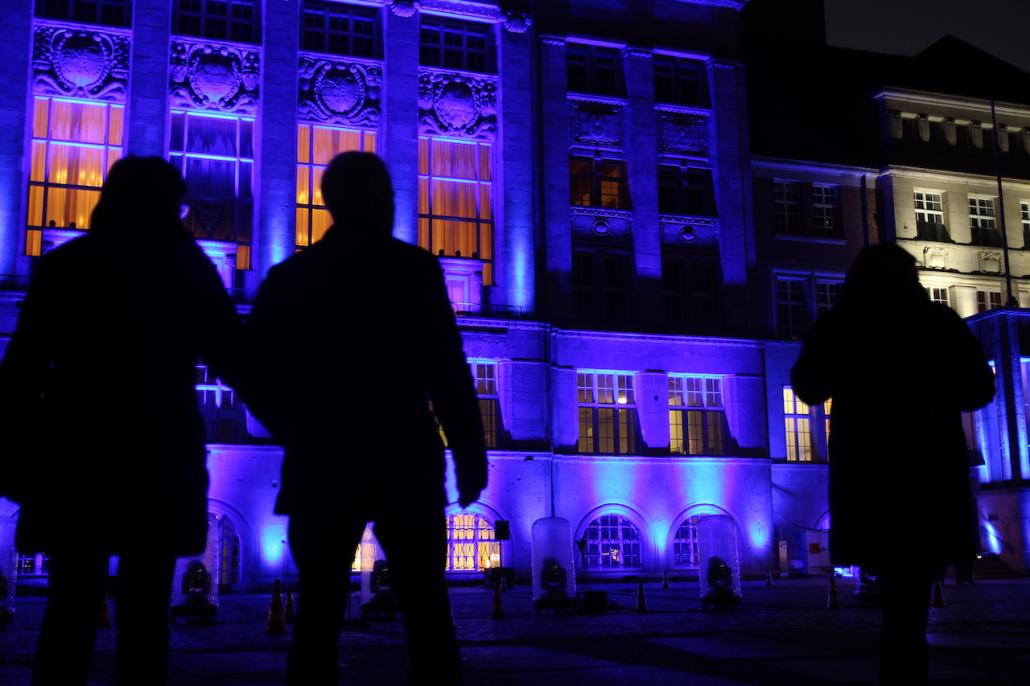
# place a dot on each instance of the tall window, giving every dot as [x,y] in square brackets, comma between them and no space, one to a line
[826,293]
[215,154]
[74,143]
[316,147]
[607,413]
[1024,216]
[685,190]
[797,427]
[685,549]
[339,29]
[680,81]
[602,283]
[787,201]
[827,411]
[987,300]
[593,69]
[613,542]
[485,374]
[106,12]
[455,45]
[228,551]
[472,544]
[595,182]
[939,295]
[697,419]
[825,210]
[790,306]
[691,288]
[455,197]
[930,216]
[235,20]
[981,221]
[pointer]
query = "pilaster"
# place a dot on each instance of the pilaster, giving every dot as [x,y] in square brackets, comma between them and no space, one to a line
[400,114]
[554,111]
[15,62]
[147,108]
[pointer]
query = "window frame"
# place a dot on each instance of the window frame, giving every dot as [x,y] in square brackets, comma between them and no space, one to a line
[203,19]
[484,375]
[624,426]
[826,221]
[796,411]
[612,520]
[596,178]
[482,539]
[710,411]
[679,92]
[584,66]
[85,11]
[787,207]
[677,194]
[438,51]
[328,12]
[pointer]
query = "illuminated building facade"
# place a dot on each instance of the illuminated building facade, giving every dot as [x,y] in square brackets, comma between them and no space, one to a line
[584,172]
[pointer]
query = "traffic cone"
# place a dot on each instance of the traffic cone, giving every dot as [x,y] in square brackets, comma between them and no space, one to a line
[104,612]
[833,601]
[276,620]
[665,580]
[497,609]
[291,613]
[938,594]
[768,578]
[641,600]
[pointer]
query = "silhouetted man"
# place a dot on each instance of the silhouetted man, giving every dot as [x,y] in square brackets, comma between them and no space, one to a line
[900,370]
[105,444]
[353,338]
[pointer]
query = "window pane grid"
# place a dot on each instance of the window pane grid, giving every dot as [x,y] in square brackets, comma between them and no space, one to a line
[235,20]
[696,416]
[316,147]
[613,542]
[472,544]
[787,202]
[455,45]
[105,12]
[797,427]
[339,29]
[608,421]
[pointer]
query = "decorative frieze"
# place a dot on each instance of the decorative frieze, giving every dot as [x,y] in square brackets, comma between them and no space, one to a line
[595,123]
[214,77]
[80,63]
[693,231]
[601,223]
[339,92]
[682,133]
[452,104]
[936,257]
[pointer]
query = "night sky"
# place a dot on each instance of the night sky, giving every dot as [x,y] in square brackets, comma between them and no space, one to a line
[1000,27]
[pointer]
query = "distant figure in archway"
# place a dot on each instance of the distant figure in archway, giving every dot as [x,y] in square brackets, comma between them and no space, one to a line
[352,339]
[103,441]
[900,370]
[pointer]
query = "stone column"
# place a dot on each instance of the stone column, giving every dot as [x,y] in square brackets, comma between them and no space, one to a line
[731,166]
[275,192]
[400,114]
[514,194]
[147,108]
[564,410]
[653,411]
[15,71]
[641,146]
[555,172]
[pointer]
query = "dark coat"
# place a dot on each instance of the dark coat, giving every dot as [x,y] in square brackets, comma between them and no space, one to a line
[351,340]
[900,371]
[98,407]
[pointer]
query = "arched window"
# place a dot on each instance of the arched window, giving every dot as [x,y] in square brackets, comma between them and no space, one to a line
[472,545]
[613,542]
[366,552]
[228,552]
[686,553]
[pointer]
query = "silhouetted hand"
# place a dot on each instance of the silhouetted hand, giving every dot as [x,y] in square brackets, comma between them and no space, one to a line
[472,478]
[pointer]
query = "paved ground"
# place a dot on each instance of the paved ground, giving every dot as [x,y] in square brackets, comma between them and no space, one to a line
[779,635]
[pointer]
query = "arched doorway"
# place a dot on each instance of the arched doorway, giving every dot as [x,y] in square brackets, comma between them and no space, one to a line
[686,545]
[612,543]
[472,544]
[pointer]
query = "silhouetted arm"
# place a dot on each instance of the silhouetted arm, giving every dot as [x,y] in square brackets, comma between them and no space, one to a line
[220,330]
[812,375]
[453,392]
[263,348]
[22,379]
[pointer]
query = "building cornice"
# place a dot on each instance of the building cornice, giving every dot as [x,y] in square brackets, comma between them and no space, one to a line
[942,99]
[782,164]
[944,176]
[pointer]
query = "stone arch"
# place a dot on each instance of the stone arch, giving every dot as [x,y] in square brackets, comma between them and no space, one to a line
[643,538]
[683,548]
[486,550]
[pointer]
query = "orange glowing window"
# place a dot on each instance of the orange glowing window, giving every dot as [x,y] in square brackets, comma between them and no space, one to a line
[316,146]
[455,197]
[74,143]
[472,544]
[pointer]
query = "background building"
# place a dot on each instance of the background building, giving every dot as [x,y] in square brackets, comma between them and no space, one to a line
[631,252]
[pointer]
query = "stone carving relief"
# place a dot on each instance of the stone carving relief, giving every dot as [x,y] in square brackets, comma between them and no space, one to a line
[596,123]
[935,258]
[214,77]
[82,63]
[457,104]
[990,262]
[700,232]
[682,133]
[339,92]
[404,8]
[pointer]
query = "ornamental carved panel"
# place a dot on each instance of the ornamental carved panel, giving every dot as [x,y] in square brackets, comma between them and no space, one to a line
[936,258]
[990,262]
[81,63]
[457,105]
[682,133]
[595,123]
[339,92]
[214,77]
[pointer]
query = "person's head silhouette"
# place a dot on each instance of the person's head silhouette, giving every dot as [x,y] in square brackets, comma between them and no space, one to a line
[139,191]
[359,194]
[882,275]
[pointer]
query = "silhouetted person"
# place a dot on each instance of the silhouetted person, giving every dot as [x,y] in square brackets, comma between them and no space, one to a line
[99,416]
[353,338]
[900,370]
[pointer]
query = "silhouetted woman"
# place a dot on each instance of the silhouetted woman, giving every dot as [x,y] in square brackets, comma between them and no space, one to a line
[97,401]
[900,370]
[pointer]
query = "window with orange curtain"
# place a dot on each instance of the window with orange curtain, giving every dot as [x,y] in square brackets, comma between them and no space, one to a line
[215,154]
[316,146]
[455,199]
[74,143]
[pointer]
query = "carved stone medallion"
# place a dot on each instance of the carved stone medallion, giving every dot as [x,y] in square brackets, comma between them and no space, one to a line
[83,63]
[595,123]
[339,92]
[214,77]
[457,104]
[682,133]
